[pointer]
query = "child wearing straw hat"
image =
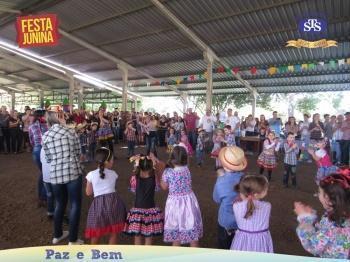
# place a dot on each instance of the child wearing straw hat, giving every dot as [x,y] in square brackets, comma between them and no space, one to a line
[233,162]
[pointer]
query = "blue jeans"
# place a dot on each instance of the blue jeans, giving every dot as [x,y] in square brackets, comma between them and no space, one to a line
[151,140]
[306,141]
[36,159]
[116,131]
[131,148]
[92,151]
[192,138]
[50,198]
[199,157]
[335,147]
[63,192]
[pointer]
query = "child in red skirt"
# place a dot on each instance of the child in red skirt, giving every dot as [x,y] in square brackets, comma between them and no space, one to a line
[145,220]
[107,212]
[267,158]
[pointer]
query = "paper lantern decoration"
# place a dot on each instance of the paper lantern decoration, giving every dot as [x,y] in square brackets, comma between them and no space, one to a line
[253,70]
[235,70]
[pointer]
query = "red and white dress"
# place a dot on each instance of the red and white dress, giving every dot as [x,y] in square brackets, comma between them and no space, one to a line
[267,158]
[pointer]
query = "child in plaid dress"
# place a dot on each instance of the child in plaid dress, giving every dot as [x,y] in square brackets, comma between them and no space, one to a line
[130,134]
[107,212]
[267,158]
[291,151]
[92,140]
[145,220]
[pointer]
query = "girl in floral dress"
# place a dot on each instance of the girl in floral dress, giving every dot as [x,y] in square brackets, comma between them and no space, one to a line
[183,220]
[330,237]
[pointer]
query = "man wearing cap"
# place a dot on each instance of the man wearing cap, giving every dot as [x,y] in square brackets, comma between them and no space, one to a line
[190,123]
[345,141]
[62,151]
[233,162]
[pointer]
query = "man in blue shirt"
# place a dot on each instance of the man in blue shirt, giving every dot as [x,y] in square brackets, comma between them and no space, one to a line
[233,162]
[275,124]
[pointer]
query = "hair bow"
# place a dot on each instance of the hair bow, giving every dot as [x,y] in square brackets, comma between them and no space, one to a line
[342,177]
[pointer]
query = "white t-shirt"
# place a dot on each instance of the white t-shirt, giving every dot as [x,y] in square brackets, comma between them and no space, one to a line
[232,121]
[45,167]
[102,186]
[208,123]
[250,126]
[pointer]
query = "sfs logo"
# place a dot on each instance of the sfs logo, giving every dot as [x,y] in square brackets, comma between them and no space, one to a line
[312,25]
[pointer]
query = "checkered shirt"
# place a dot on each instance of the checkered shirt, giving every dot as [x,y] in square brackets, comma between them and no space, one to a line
[291,154]
[35,133]
[130,135]
[62,151]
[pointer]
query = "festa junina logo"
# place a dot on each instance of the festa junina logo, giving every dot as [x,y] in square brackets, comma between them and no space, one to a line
[312,26]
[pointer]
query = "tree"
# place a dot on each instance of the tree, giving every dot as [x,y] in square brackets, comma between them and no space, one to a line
[336,101]
[307,104]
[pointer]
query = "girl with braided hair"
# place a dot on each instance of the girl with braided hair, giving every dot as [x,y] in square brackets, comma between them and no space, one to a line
[107,212]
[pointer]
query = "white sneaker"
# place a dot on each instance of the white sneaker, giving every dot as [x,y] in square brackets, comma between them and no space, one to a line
[78,242]
[65,234]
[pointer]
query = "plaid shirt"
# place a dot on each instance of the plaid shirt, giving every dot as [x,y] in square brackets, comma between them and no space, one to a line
[36,130]
[92,137]
[62,151]
[290,156]
[83,139]
[130,134]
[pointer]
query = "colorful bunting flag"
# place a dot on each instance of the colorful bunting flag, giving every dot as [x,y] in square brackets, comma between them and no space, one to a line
[297,68]
[185,78]
[332,64]
[162,83]
[235,70]
[253,70]
[206,75]
[192,77]
[311,66]
[220,69]
[348,61]
[341,62]
[178,81]
[272,70]
[200,76]
[290,68]
[321,63]
[228,71]
[304,66]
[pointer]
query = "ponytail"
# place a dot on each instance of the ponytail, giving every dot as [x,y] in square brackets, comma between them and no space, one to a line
[250,208]
[102,168]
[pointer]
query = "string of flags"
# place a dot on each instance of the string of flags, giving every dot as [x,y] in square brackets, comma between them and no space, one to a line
[272,70]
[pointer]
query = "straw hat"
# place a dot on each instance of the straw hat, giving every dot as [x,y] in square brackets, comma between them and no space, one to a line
[94,124]
[233,158]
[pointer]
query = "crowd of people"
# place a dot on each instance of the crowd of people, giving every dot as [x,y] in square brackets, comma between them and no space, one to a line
[62,142]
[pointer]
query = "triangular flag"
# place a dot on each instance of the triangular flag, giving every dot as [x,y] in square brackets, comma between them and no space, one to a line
[206,74]
[220,69]
[321,63]
[178,81]
[311,66]
[272,70]
[332,64]
[200,76]
[191,77]
[185,78]
[341,62]
[162,83]
[304,66]
[348,61]
[290,68]
[253,70]
[228,71]
[235,70]
[148,84]
[297,68]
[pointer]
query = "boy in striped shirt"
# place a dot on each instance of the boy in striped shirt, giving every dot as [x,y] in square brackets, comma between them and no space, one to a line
[291,150]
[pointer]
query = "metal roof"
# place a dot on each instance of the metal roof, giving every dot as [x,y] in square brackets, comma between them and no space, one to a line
[244,33]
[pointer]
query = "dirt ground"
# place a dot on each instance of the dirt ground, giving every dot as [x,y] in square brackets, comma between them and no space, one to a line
[22,224]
